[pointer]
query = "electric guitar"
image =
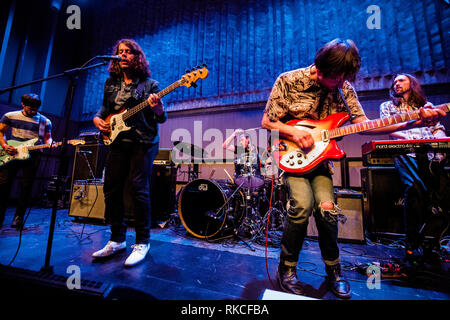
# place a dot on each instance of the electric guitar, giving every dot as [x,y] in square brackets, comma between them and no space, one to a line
[24,148]
[290,158]
[117,121]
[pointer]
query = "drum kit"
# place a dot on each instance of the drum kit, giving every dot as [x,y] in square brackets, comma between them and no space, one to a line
[238,206]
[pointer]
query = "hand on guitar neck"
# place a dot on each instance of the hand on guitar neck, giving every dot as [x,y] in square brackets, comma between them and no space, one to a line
[155,103]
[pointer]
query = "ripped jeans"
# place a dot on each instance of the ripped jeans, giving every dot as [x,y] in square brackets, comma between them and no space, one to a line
[312,193]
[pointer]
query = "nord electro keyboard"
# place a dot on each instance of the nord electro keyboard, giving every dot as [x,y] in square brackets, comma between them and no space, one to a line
[382,152]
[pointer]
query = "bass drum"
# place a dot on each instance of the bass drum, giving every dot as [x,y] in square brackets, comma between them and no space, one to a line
[204,206]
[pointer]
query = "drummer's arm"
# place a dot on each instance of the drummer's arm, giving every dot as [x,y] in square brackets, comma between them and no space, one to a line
[227,143]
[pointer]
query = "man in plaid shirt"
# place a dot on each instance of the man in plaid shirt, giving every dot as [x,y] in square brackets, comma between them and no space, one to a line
[421,173]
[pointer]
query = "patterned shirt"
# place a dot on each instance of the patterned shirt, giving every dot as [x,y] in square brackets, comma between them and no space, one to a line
[388,108]
[24,128]
[296,95]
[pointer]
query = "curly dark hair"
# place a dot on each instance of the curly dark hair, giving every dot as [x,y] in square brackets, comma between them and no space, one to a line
[139,65]
[417,96]
[338,57]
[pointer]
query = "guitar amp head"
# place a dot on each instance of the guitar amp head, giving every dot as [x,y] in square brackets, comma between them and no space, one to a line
[164,157]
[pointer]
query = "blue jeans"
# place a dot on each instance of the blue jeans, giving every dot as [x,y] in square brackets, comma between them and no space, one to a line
[308,195]
[127,160]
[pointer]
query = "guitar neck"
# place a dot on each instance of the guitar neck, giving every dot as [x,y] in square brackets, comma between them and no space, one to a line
[131,112]
[43,146]
[379,123]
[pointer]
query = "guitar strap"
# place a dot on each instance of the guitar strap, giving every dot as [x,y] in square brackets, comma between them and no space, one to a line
[140,90]
[41,128]
[352,116]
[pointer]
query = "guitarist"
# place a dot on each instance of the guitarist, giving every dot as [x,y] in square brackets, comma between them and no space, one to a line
[132,153]
[25,124]
[421,172]
[312,93]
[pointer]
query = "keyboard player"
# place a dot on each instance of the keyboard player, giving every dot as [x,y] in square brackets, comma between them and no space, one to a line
[422,174]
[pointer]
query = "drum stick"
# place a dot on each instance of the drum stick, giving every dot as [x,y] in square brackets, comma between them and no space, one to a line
[232,180]
[253,129]
[212,173]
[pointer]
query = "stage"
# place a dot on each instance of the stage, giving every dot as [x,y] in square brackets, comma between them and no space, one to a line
[182,267]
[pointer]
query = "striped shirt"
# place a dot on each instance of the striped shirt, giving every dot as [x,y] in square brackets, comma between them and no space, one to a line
[24,128]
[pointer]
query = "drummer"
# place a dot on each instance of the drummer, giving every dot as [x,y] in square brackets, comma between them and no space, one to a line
[246,155]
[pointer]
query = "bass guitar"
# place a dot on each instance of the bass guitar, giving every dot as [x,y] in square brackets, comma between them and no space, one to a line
[117,121]
[290,158]
[24,148]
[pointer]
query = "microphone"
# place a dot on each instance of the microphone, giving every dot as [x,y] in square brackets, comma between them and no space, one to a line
[119,58]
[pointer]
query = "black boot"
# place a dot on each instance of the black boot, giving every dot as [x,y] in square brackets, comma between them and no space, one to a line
[288,280]
[338,285]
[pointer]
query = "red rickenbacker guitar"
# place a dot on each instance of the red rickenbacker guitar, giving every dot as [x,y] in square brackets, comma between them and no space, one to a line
[290,158]
[117,121]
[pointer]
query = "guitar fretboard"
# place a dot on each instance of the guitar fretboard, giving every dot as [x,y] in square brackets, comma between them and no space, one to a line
[43,146]
[379,123]
[145,103]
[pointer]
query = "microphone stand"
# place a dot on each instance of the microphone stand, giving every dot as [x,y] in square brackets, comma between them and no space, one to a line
[63,163]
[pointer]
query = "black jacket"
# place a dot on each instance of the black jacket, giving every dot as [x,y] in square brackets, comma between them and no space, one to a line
[145,123]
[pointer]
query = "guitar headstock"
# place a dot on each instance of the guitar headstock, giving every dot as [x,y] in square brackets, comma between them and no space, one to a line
[76,142]
[191,77]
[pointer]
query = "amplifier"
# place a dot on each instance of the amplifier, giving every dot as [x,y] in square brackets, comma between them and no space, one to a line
[351,203]
[87,200]
[164,157]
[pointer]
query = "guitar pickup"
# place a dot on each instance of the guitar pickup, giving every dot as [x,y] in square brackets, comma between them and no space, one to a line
[325,135]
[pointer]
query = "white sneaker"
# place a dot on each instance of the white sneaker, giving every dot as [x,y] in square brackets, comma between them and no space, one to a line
[111,248]
[139,253]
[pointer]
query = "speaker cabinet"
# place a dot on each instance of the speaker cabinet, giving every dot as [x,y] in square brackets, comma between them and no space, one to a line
[162,195]
[351,203]
[162,192]
[89,157]
[383,194]
[88,200]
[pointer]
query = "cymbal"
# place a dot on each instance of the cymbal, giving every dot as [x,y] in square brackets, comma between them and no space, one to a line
[190,149]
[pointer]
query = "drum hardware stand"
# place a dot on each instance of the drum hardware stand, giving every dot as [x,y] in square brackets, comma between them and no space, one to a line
[235,229]
[192,172]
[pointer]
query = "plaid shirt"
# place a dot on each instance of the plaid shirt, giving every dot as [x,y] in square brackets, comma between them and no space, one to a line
[296,95]
[388,108]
